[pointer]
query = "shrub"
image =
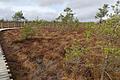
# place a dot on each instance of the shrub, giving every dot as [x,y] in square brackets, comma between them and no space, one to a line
[27,32]
[73,60]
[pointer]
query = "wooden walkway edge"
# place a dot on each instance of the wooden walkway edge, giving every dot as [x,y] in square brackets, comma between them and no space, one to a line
[4,69]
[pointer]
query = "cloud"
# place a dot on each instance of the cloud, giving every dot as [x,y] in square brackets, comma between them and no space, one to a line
[50,2]
[9,7]
[86,10]
[6,13]
[49,9]
[78,4]
[87,15]
[6,0]
[34,2]
[31,15]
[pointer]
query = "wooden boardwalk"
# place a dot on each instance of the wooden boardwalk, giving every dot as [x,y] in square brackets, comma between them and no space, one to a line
[3,29]
[4,71]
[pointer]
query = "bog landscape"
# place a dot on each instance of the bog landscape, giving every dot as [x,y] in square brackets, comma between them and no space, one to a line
[65,48]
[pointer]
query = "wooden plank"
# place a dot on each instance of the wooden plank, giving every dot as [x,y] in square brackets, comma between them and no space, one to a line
[2,57]
[4,68]
[5,76]
[2,62]
[4,71]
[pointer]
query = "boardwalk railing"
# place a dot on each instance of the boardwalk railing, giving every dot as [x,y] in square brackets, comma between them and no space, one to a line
[12,24]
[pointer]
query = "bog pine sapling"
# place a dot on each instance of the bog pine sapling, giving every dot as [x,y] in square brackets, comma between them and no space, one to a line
[18,16]
[67,17]
[103,12]
[116,8]
[27,32]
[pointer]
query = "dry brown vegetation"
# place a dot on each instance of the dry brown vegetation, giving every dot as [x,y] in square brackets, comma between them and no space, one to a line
[45,55]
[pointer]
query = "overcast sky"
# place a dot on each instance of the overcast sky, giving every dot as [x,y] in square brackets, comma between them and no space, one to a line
[85,10]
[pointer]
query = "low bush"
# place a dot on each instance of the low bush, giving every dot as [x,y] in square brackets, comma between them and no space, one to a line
[27,32]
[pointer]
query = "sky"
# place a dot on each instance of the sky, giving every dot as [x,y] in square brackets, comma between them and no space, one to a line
[85,10]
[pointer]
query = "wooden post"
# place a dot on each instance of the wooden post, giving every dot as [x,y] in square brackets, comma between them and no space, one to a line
[24,23]
[0,24]
[8,24]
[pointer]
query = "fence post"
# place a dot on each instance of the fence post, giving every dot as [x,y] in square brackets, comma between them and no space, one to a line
[0,24]
[8,24]
[24,23]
